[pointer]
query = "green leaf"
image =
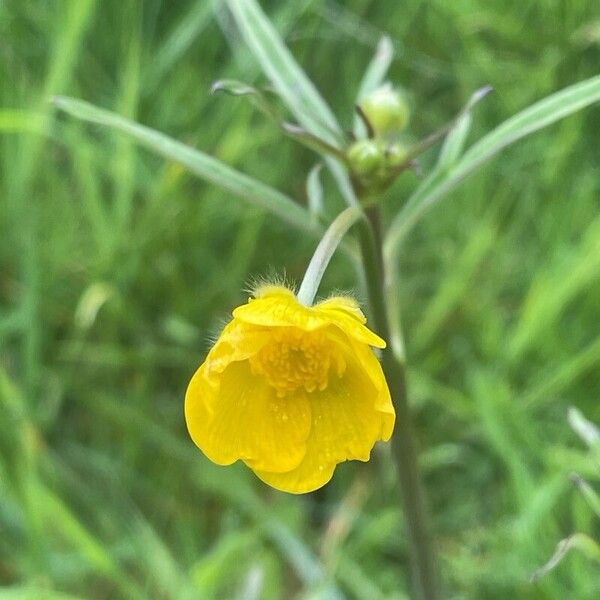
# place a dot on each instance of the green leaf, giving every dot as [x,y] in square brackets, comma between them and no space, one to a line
[455,141]
[591,497]
[314,191]
[199,163]
[281,68]
[292,84]
[578,541]
[223,562]
[587,431]
[539,115]
[181,36]
[295,132]
[59,517]
[455,133]
[257,98]
[312,141]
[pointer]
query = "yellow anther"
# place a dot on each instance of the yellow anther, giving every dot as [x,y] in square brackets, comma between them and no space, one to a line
[296,358]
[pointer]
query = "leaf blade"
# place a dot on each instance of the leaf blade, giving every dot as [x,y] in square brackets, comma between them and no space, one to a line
[199,163]
[278,63]
[535,117]
[293,85]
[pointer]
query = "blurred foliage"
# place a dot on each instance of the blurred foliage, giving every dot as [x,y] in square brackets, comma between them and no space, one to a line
[116,268]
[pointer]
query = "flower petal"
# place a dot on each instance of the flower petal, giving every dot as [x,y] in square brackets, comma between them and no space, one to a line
[345,426]
[344,304]
[308,477]
[346,314]
[238,341]
[383,402]
[278,307]
[242,418]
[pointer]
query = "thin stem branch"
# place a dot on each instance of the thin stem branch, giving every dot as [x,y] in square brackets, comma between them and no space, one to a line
[424,568]
[325,250]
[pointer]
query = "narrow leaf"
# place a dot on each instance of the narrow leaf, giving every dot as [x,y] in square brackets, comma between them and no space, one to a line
[378,68]
[455,142]
[258,99]
[292,84]
[591,497]
[578,541]
[539,115]
[314,192]
[239,88]
[311,141]
[585,429]
[199,163]
[281,68]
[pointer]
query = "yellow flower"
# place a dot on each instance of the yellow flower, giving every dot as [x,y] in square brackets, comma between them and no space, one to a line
[291,390]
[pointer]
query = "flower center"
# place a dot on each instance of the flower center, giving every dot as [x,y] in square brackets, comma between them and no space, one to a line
[295,358]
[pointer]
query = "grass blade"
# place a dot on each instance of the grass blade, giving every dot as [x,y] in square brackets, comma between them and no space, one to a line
[199,163]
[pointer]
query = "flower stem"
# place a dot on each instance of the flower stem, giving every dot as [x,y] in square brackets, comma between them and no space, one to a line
[424,568]
[325,250]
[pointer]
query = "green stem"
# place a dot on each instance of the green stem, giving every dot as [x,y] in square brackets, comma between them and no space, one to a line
[325,250]
[424,568]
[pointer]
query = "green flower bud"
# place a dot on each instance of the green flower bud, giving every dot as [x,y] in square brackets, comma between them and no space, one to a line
[395,155]
[386,110]
[365,157]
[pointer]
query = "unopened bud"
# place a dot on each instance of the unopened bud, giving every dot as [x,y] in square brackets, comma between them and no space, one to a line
[386,110]
[365,157]
[395,155]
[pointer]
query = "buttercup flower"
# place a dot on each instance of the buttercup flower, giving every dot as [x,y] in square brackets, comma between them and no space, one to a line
[291,390]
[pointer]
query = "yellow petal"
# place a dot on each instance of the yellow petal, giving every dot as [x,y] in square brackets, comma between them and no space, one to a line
[242,418]
[368,362]
[344,304]
[346,314]
[238,341]
[308,477]
[388,414]
[383,403]
[345,426]
[278,307]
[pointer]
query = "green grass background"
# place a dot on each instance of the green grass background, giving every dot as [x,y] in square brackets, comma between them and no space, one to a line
[116,268]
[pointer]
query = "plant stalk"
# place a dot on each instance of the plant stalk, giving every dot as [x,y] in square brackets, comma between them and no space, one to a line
[423,562]
[324,252]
